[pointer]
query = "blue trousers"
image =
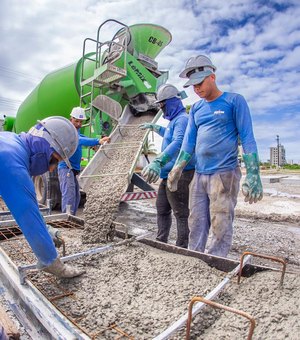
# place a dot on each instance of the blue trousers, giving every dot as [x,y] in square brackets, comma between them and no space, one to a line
[70,191]
[178,202]
[3,335]
[212,202]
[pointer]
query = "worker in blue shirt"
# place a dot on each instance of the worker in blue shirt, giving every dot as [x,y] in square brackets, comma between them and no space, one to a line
[69,187]
[30,154]
[215,124]
[168,97]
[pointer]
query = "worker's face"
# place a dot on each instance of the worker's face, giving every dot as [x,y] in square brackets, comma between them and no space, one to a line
[55,158]
[77,122]
[207,88]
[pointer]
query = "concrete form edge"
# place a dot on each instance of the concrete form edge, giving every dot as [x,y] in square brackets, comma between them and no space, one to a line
[53,321]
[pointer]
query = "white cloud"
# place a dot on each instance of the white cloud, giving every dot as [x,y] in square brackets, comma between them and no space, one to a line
[254,46]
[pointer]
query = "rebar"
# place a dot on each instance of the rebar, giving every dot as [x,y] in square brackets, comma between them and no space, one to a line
[220,306]
[272,258]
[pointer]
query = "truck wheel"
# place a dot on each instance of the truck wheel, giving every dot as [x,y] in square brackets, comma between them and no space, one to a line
[47,187]
[40,185]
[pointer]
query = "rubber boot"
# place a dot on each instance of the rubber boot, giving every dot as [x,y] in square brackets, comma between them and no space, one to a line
[62,270]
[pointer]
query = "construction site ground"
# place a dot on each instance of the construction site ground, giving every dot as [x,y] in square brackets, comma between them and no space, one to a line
[142,291]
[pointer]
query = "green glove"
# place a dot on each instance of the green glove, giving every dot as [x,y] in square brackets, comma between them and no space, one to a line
[151,171]
[152,127]
[175,173]
[252,187]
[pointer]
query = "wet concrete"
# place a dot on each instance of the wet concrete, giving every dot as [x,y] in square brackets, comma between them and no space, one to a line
[104,193]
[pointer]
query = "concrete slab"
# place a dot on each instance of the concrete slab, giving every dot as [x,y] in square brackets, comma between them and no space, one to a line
[272,179]
[291,181]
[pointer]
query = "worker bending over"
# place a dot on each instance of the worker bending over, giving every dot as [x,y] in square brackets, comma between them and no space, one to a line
[215,124]
[168,97]
[31,154]
[68,182]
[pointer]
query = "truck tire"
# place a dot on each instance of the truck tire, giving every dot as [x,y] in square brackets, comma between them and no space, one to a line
[40,185]
[47,187]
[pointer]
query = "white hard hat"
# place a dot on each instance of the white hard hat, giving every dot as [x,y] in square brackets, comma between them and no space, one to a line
[197,64]
[166,91]
[60,133]
[78,113]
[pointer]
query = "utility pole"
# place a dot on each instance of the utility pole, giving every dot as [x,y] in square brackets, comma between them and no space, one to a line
[277,139]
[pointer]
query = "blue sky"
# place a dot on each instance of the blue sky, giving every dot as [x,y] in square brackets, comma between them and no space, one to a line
[254,44]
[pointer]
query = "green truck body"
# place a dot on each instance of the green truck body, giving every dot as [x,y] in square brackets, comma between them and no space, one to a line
[61,90]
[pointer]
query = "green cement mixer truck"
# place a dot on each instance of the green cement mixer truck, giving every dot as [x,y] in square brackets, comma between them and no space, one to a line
[110,75]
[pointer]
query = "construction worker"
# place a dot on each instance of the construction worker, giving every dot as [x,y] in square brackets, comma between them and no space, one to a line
[68,182]
[215,124]
[168,98]
[30,154]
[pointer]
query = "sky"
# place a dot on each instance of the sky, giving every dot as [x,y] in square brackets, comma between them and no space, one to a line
[255,45]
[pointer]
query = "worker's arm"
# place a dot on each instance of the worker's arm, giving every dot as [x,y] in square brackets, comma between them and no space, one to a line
[252,187]
[86,141]
[16,183]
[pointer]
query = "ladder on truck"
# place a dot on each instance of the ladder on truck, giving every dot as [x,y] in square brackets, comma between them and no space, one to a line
[106,73]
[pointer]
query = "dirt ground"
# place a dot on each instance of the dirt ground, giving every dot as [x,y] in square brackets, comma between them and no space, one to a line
[143,291]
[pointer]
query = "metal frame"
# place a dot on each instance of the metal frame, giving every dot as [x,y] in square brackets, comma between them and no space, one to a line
[44,210]
[56,324]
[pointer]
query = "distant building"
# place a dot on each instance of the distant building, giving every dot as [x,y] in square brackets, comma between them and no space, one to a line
[277,155]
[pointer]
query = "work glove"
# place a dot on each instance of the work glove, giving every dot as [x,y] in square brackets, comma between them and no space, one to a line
[151,171]
[55,235]
[62,270]
[252,187]
[175,173]
[104,140]
[152,127]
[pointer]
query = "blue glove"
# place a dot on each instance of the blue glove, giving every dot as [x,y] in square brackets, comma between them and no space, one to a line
[175,174]
[152,171]
[252,187]
[152,127]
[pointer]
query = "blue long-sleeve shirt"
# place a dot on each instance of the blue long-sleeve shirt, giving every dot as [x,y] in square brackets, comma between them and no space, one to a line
[213,130]
[17,190]
[173,136]
[75,160]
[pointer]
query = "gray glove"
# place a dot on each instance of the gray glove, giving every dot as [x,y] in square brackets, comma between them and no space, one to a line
[55,235]
[175,174]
